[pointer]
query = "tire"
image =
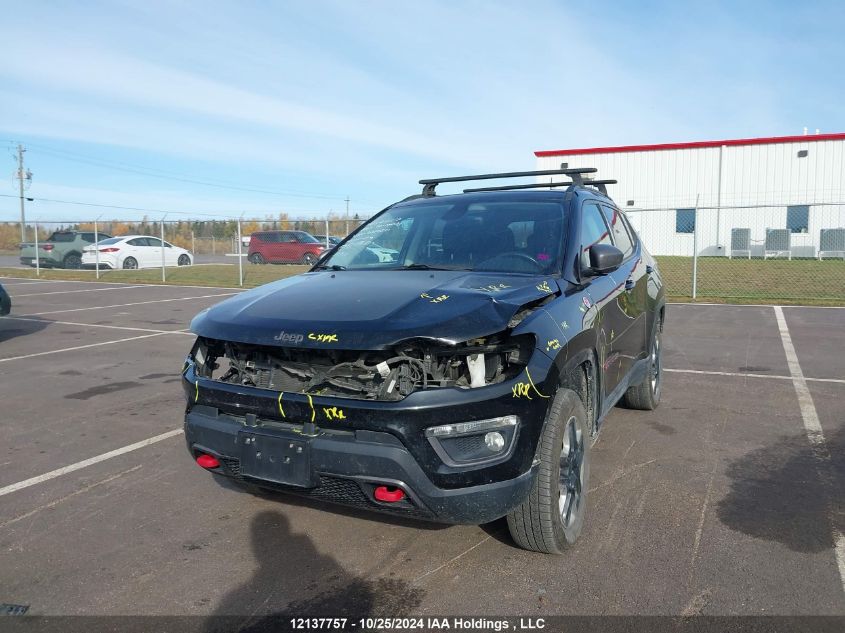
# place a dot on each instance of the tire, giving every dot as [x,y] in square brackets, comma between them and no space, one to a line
[257,258]
[552,516]
[72,261]
[308,259]
[646,395]
[184,260]
[130,263]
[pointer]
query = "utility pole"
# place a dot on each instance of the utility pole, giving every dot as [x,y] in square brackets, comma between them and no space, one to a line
[347,215]
[21,176]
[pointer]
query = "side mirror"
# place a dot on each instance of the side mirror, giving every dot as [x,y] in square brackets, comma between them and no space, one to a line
[605,258]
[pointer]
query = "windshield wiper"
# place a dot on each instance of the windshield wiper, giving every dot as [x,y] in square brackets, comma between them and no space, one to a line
[332,267]
[424,267]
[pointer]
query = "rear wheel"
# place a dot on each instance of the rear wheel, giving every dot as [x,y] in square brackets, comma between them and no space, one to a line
[130,263]
[72,260]
[308,259]
[646,395]
[257,258]
[184,260]
[552,516]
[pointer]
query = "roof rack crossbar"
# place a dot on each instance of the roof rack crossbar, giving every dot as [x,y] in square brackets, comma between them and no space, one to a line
[429,184]
[600,184]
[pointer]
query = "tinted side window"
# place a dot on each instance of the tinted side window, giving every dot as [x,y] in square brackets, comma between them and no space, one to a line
[287,238]
[138,241]
[620,233]
[593,231]
[88,237]
[153,241]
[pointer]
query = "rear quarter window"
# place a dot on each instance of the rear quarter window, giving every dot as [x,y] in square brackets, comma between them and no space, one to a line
[62,237]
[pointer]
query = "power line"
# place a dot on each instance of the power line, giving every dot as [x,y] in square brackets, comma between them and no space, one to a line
[228,215]
[158,173]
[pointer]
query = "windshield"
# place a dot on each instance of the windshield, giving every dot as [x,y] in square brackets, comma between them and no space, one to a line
[512,236]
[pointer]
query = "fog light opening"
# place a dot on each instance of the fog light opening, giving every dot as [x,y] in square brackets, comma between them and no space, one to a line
[388,494]
[495,441]
[207,461]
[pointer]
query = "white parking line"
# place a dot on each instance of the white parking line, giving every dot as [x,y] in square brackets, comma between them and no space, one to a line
[67,292]
[28,280]
[78,347]
[815,435]
[109,327]
[64,470]
[747,375]
[137,303]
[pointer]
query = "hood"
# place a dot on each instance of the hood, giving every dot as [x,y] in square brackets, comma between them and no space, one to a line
[372,309]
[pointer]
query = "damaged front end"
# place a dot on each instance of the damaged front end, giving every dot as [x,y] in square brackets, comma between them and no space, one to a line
[383,375]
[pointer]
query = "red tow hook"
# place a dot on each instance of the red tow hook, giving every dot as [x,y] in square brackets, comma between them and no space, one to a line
[207,461]
[389,494]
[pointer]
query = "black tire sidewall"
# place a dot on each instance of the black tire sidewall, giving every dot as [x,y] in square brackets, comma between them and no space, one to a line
[567,405]
[125,267]
[71,258]
[184,260]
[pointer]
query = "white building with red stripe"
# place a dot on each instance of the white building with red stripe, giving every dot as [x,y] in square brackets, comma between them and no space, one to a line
[794,184]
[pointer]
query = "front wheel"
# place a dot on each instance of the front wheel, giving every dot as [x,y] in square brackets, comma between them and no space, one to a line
[130,263]
[257,258]
[184,260]
[308,259]
[552,516]
[646,395]
[72,261]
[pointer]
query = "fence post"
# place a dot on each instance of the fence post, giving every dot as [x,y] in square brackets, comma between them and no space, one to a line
[695,249]
[163,275]
[193,246]
[327,232]
[37,258]
[240,256]
[213,250]
[96,251]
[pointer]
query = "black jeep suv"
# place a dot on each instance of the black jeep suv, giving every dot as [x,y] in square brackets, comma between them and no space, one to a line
[461,379]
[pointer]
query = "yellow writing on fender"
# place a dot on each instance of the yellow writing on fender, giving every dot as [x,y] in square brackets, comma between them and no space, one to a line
[333,413]
[544,287]
[521,390]
[553,344]
[323,338]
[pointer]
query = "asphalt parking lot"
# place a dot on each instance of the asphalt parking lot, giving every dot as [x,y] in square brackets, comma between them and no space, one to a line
[718,503]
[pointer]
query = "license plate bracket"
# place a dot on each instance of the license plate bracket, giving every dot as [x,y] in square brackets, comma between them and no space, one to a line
[276,459]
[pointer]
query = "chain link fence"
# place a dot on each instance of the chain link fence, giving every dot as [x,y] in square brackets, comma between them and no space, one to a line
[749,253]
[222,252]
[766,253]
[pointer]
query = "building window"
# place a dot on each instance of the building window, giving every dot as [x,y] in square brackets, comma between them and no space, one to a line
[684,220]
[798,218]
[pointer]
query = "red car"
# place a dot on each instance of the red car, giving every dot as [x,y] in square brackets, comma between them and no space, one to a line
[284,247]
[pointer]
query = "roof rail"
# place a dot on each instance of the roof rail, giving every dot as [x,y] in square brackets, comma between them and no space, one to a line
[598,184]
[576,174]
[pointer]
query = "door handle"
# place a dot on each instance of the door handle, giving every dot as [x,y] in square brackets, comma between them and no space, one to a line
[630,283]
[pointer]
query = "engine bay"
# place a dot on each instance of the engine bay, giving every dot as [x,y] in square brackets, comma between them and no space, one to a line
[369,375]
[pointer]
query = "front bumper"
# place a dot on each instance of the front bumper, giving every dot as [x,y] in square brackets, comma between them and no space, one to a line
[378,443]
[346,467]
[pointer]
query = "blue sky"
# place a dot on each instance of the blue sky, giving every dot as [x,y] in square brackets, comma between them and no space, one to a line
[311,102]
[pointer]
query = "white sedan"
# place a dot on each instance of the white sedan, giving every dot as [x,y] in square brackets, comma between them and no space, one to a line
[134,251]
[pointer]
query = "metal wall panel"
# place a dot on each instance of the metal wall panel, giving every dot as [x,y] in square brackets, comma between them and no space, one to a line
[756,184]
